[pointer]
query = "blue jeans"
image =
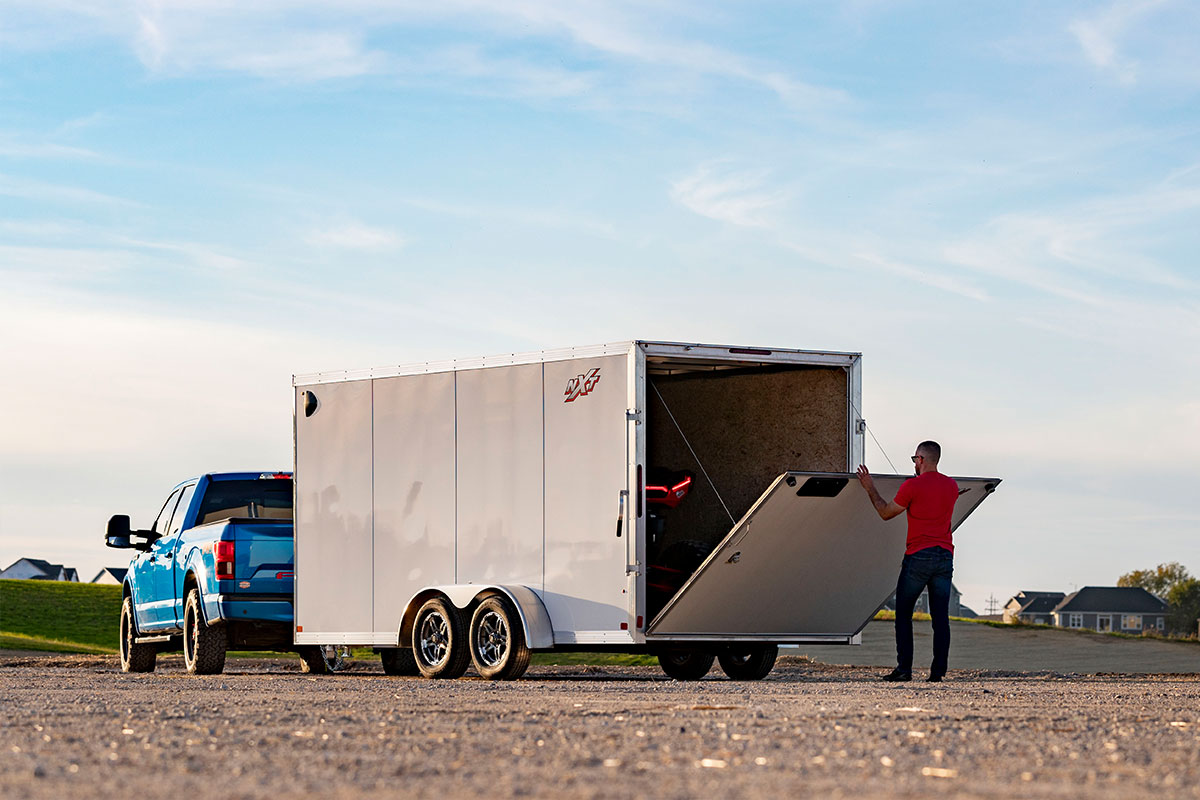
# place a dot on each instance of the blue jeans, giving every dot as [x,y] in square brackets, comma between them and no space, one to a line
[932,567]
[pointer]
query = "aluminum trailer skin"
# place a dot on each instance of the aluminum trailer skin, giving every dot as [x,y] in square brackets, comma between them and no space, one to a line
[474,510]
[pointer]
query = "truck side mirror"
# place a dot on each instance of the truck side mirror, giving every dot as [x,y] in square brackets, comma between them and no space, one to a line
[117,533]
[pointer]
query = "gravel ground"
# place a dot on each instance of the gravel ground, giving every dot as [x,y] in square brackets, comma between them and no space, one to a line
[74,726]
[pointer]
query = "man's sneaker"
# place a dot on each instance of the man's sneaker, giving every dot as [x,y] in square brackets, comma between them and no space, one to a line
[935,678]
[898,676]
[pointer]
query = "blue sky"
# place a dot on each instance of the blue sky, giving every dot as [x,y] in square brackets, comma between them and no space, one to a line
[998,204]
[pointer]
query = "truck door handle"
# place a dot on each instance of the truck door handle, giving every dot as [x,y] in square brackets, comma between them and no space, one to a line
[621,511]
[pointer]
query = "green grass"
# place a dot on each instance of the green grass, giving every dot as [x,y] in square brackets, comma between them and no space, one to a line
[19,641]
[60,614]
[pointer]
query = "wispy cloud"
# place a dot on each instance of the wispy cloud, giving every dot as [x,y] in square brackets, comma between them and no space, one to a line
[29,189]
[305,40]
[722,192]
[355,236]
[1100,35]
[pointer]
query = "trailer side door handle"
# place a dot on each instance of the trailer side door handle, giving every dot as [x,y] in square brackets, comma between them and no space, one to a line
[621,511]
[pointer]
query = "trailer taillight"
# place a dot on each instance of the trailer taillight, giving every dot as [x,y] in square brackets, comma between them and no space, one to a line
[223,555]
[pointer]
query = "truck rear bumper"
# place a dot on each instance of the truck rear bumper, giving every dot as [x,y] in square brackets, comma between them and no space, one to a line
[235,608]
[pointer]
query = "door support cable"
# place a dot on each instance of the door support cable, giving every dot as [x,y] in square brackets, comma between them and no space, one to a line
[693,452]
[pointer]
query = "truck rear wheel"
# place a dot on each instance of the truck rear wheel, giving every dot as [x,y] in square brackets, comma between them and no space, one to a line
[398,661]
[203,645]
[752,663]
[498,641]
[685,665]
[439,644]
[134,657]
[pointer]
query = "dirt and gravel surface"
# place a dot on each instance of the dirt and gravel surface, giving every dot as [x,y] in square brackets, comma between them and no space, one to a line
[74,726]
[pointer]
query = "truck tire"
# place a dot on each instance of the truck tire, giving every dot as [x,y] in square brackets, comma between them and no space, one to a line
[134,657]
[398,661]
[439,643]
[685,665]
[324,659]
[751,663]
[498,647]
[203,645]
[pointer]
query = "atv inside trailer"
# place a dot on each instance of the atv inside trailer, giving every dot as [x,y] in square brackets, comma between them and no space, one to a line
[717,435]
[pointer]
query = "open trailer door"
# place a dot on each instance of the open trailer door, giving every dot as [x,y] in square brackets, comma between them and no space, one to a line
[810,561]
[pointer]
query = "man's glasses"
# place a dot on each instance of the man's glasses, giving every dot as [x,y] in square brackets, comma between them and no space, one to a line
[914,458]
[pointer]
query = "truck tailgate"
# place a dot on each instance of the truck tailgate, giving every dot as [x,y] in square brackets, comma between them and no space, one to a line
[810,561]
[264,557]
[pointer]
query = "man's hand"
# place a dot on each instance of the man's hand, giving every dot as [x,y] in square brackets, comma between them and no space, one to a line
[885,509]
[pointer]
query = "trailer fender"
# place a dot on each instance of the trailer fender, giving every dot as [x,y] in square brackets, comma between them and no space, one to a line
[535,621]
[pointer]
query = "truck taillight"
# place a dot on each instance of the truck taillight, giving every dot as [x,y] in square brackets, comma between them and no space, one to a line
[223,552]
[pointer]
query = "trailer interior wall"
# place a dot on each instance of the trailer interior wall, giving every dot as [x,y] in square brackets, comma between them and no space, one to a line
[747,426]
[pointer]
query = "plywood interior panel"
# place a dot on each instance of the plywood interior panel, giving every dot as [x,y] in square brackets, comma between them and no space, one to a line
[746,428]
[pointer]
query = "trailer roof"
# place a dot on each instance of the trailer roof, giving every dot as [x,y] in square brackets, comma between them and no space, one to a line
[661,358]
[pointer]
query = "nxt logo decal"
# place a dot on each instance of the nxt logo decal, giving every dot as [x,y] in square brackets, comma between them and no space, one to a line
[581,384]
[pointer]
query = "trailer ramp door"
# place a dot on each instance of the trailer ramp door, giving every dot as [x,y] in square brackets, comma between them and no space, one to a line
[810,561]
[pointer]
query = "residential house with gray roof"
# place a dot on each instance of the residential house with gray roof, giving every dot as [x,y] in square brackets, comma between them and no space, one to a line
[35,569]
[1032,608]
[1124,609]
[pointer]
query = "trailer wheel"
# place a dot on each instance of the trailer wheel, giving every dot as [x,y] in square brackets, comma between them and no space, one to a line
[439,644]
[398,661]
[203,645]
[134,657]
[685,665]
[324,659]
[498,641]
[750,664]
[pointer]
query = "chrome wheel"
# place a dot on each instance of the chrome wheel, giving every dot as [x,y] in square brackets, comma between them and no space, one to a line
[434,639]
[491,639]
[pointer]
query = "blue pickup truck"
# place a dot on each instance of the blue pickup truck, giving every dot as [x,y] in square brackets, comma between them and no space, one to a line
[214,572]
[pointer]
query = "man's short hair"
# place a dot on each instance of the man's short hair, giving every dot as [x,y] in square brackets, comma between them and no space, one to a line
[931,450]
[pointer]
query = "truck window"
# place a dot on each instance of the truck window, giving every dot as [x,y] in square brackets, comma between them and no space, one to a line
[181,509]
[254,499]
[164,516]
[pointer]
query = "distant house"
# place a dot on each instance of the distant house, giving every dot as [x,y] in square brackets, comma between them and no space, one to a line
[110,575]
[1126,609]
[922,606]
[35,569]
[1032,608]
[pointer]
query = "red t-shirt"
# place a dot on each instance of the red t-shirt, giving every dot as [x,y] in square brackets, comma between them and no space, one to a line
[929,500]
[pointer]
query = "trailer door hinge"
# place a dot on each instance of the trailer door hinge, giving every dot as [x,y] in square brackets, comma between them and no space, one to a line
[860,427]
[633,569]
[633,415]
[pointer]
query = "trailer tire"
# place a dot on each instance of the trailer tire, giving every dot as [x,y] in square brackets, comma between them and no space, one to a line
[750,664]
[324,659]
[398,661]
[439,645]
[685,665]
[134,657]
[498,647]
[204,645]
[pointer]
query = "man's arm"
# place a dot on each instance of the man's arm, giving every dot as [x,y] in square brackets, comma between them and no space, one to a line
[887,510]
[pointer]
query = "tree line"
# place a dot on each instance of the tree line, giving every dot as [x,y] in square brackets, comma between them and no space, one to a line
[1174,584]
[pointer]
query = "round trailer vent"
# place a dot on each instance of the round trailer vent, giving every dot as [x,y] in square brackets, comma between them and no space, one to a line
[310,404]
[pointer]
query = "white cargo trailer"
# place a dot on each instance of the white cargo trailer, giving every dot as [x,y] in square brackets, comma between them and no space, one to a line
[693,501]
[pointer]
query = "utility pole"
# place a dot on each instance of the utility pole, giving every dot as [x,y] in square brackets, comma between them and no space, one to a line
[993,605]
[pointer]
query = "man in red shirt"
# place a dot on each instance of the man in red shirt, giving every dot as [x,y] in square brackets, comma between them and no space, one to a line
[928,500]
